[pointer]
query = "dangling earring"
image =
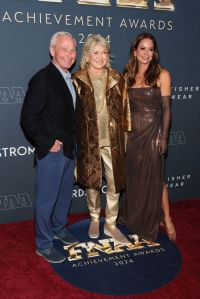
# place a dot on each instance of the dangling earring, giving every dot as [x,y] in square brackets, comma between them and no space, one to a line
[135,58]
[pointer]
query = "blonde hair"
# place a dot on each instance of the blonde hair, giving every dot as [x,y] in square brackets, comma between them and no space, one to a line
[92,41]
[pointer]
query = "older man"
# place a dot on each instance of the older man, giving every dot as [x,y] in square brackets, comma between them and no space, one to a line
[48,120]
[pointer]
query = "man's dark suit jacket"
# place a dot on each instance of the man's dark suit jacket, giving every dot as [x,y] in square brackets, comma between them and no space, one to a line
[48,112]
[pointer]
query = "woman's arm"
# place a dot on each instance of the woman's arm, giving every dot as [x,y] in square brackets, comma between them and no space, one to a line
[165,87]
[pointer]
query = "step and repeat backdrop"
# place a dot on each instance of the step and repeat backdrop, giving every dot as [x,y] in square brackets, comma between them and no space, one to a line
[25,30]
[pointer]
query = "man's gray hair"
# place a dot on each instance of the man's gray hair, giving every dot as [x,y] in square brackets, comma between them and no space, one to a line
[54,37]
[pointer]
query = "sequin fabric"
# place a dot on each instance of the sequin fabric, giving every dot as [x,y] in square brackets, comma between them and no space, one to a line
[141,207]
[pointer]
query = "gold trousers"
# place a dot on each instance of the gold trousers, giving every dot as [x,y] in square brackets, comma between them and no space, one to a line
[112,198]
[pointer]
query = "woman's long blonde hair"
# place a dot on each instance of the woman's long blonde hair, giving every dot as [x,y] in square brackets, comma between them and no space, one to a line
[90,43]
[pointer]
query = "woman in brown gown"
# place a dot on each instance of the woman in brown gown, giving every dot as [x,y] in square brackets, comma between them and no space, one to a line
[149,89]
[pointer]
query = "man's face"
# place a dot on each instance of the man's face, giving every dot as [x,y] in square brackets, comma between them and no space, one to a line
[64,52]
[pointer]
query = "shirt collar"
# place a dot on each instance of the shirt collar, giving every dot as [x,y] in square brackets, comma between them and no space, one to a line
[64,74]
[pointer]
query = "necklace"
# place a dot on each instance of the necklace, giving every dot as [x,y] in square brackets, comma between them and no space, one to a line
[99,103]
[99,85]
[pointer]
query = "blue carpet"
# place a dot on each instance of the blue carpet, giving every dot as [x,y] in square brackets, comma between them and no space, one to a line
[103,267]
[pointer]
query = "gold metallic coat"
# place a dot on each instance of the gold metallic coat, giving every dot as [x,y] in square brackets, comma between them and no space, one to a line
[89,167]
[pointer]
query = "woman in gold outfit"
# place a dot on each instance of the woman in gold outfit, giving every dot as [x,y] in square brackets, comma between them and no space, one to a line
[102,118]
[149,90]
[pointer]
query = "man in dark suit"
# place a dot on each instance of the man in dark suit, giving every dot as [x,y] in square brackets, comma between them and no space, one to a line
[48,119]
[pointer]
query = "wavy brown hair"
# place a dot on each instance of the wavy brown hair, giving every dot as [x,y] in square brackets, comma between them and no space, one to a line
[152,73]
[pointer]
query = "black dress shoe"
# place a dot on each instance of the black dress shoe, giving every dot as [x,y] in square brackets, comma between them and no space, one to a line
[51,255]
[67,238]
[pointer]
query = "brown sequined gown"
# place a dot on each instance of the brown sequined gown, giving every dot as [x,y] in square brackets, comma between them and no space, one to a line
[141,207]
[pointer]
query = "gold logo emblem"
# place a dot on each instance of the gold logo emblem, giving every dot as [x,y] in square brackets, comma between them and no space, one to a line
[159,5]
[106,246]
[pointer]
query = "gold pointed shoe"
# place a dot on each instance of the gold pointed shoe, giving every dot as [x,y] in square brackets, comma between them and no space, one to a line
[116,234]
[93,231]
[171,232]
[170,229]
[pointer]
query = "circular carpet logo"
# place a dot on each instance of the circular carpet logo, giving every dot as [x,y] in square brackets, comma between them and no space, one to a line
[106,267]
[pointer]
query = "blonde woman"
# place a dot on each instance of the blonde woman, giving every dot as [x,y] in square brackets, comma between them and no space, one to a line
[102,118]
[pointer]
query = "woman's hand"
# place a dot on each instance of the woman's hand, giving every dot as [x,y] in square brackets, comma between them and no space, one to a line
[162,144]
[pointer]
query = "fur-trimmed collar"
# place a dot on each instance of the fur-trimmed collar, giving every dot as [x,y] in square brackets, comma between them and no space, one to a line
[113,77]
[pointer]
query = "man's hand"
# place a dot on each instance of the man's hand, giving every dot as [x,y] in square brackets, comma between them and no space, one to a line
[56,147]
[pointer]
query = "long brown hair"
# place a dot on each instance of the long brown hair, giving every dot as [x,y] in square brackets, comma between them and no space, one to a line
[152,73]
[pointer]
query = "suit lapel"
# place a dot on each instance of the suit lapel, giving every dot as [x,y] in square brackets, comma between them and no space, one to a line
[57,79]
